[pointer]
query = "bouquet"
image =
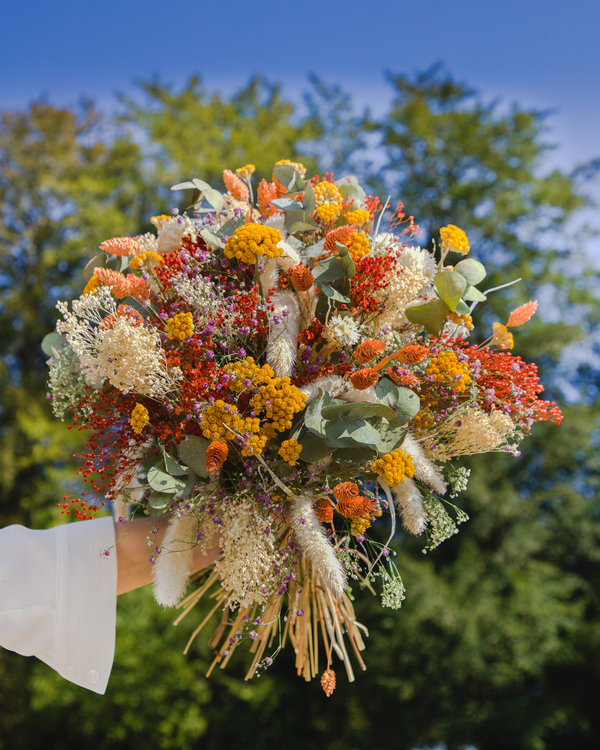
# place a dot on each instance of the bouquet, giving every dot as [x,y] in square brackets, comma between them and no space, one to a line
[285,377]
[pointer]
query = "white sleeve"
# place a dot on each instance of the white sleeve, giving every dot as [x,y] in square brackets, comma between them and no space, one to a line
[58,596]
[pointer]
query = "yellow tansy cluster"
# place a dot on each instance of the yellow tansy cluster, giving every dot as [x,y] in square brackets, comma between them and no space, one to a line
[290,450]
[150,259]
[358,245]
[453,238]
[445,368]
[295,165]
[251,240]
[180,327]
[92,285]
[424,419]
[222,421]
[280,400]
[139,418]
[358,216]
[394,467]
[359,525]
[246,171]
[462,320]
[329,201]
[247,369]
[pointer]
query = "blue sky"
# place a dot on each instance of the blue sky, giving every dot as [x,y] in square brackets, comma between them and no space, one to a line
[543,54]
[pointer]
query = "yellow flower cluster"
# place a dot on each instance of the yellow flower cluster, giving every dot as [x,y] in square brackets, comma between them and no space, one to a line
[92,285]
[150,259]
[462,320]
[256,445]
[247,369]
[290,450]
[446,367]
[453,238]
[300,168]
[394,467]
[281,400]
[359,525]
[358,216]
[222,421]
[139,418]
[251,240]
[424,419]
[329,201]
[180,327]
[358,245]
[246,171]
[160,221]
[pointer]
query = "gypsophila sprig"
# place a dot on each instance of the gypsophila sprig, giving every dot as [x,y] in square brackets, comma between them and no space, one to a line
[286,375]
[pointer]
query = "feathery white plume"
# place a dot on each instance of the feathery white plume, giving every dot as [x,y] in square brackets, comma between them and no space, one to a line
[425,470]
[313,543]
[172,567]
[410,504]
[332,384]
[283,333]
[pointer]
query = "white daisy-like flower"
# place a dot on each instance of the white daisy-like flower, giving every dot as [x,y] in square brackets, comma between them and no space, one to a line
[342,330]
[384,242]
[172,233]
[418,259]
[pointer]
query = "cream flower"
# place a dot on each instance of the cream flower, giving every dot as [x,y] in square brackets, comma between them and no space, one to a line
[342,330]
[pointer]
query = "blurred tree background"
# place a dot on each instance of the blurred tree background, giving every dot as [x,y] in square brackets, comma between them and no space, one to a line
[498,642]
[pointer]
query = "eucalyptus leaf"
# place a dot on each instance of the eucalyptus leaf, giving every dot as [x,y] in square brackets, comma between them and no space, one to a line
[473,295]
[358,411]
[98,261]
[387,392]
[332,293]
[462,308]
[285,174]
[349,187]
[201,185]
[473,271]
[285,204]
[408,405]
[450,286]
[349,432]
[192,452]
[353,456]
[174,467]
[301,226]
[349,267]
[183,186]
[312,416]
[391,438]
[159,503]
[230,226]
[161,481]
[432,315]
[52,341]
[313,251]
[190,482]
[329,270]
[211,238]
[310,199]
[215,198]
[313,448]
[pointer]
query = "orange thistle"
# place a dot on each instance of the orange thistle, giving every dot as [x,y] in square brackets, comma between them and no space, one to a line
[266,193]
[365,378]
[121,246]
[345,490]
[328,681]
[123,311]
[138,288]
[215,456]
[324,510]
[411,354]
[368,350]
[522,314]
[369,504]
[341,235]
[237,188]
[118,283]
[302,278]
[408,380]
[351,507]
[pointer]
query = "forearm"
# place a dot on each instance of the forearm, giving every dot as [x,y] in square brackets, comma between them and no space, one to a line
[134,568]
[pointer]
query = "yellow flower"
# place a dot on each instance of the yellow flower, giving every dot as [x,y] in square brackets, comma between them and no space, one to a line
[280,400]
[462,320]
[445,368]
[358,216]
[92,285]
[329,201]
[245,172]
[358,245]
[149,259]
[502,337]
[251,240]
[139,418]
[290,450]
[453,238]
[359,525]
[244,370]
[180,327]
[160,221]
[394,467]
[300,168]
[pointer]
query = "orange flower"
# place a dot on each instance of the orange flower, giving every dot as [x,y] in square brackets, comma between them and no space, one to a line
[237,187]
[302,278]
[369,504]
[324,510]
[123,311]
[121,246]
[522,314]
[408,380]
[365,378]
[368,350]
[345,490]
[412,353]
[215,456]
[118,283]
[138,288]
[351,507]
[266,193]
[341,235]
[328,681]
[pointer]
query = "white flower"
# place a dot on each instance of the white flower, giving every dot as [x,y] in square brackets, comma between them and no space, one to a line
[342,330]
[383,242]
[418,259]
[172,233]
